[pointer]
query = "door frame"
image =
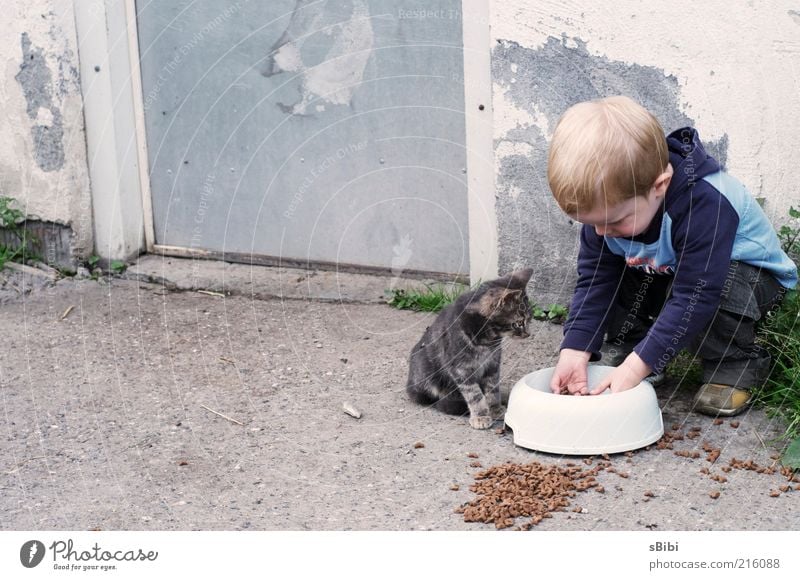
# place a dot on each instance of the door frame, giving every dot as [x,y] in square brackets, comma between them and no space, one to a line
[117,144]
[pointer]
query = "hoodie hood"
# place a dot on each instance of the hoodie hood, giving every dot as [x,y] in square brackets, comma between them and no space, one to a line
[689,159]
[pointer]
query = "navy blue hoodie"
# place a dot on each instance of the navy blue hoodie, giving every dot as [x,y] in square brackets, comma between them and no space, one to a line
[707,219]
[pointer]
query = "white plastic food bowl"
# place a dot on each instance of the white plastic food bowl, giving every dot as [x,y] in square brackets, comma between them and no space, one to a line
[587,425]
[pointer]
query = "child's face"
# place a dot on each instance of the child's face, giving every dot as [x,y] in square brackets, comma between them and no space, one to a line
[630,217]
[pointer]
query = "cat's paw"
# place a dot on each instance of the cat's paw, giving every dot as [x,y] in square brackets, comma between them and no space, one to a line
[480,422]
[498,412]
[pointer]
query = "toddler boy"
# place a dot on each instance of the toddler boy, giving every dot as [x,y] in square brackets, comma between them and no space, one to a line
[674,253]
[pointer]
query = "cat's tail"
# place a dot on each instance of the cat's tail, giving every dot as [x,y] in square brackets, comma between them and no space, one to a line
[452,403]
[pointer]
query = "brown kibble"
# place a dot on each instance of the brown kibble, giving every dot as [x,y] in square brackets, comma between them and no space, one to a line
[183,462]
[713,495]
[734,424]
[472,455]
[785,488]
[797,487]
[623,475]
[419,445]
[649,493]
[726,468]
[499,431]
[600,489]
[686,453]
[510,491]
[774,493]
[718,421]
[475,464]
[704,470]
[675,426]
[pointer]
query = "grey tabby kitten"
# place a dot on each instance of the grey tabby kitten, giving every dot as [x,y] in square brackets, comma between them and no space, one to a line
[456,364]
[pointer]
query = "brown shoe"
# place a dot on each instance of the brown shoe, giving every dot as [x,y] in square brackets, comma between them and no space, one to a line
[713,399]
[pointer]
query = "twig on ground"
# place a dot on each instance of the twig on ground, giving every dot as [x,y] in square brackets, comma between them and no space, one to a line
[21,463]
[223,416]
[210,293]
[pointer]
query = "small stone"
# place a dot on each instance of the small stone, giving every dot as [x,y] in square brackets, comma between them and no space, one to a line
[351,410]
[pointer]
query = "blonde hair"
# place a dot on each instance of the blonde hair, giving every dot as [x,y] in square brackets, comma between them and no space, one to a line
[611,149]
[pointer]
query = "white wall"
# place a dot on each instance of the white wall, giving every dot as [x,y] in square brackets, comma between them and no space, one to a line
[737,66]
[42,140]
[730,69]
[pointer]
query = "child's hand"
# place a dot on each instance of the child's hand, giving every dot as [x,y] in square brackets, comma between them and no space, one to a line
[626,376]
[570,374]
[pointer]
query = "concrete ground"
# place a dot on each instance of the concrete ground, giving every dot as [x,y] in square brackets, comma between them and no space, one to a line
[153,406]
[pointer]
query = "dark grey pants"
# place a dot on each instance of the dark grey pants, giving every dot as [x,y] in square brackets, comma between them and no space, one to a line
[726,347]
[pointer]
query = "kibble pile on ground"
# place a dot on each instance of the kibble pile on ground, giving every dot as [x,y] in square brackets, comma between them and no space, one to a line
[535,490]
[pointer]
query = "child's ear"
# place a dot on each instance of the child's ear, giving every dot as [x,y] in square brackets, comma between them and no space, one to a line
[663,181]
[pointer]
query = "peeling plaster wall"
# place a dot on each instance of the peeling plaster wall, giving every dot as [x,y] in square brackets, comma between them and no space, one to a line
[731,70]
[42,141]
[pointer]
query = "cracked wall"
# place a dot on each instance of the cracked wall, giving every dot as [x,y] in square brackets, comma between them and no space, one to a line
[42,141]
[730,81]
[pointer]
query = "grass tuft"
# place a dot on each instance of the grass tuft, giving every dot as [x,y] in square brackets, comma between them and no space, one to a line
[431,298]
[780,335]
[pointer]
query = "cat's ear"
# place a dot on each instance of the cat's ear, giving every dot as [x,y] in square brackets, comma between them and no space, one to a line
[519,278]
[493,300]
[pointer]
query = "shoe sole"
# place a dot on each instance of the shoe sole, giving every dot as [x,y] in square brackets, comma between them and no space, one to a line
[717,412]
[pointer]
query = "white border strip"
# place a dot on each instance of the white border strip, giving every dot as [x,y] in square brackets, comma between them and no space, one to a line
[111,141]
[479,140]
[137,93]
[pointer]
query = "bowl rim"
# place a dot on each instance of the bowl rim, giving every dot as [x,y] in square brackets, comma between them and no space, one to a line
[646,393]
[607,392]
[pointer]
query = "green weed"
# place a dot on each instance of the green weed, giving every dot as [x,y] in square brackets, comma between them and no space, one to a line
[118,266]
[780,335]
[686,369]
[431,298]
[556,313]
[10,218]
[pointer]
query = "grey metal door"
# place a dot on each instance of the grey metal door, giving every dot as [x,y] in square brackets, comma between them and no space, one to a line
[308,131]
